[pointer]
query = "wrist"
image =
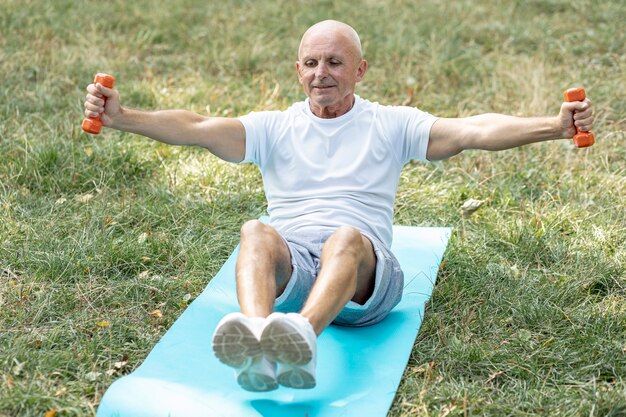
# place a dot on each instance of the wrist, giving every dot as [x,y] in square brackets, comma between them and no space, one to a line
[546,128]
[557,128]
[118,121]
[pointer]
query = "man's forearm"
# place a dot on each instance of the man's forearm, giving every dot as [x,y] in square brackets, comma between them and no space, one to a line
[175,127]
[499,132]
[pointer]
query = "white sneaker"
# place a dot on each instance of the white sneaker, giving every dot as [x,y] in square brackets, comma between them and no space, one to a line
[236,344]
[258,376]
[289,340]
[294,376]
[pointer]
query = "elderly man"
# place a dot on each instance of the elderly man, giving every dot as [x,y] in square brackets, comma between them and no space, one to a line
[330,167]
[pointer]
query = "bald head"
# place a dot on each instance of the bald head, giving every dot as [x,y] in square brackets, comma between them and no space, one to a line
[333,28]
[330,64]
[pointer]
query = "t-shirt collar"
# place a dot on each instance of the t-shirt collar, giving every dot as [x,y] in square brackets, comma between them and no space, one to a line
[347,116]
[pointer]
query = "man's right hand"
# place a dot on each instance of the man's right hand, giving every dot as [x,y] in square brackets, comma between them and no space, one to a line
[95,105]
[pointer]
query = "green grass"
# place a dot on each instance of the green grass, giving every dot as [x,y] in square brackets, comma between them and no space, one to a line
[528,317]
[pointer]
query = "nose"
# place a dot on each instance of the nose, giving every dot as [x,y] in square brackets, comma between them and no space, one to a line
[321,71]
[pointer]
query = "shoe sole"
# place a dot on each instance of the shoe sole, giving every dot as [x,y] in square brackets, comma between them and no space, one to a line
[282,342]
[234,344]
[256,382]
[296,378]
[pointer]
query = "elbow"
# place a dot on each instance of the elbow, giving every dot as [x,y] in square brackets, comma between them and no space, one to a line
[476,137]
[434,154]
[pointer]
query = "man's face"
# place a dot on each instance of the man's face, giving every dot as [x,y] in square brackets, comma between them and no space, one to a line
[329,66]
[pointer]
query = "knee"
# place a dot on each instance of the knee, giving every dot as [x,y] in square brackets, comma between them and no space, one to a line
[347,233]
[254,231]
[252,228]
[348,240]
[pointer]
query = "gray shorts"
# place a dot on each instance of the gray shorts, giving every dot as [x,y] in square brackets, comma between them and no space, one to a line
[306,250]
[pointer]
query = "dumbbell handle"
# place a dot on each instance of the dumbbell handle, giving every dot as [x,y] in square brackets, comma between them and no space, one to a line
[581,139]
[93,125]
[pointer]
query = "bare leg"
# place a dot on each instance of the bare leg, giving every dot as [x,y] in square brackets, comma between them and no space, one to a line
[348,267]
[263,268]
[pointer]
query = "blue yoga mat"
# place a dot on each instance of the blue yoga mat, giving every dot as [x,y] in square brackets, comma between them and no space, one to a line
[358,370]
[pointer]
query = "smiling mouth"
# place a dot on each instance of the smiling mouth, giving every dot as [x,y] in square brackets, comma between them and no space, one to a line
[323,87]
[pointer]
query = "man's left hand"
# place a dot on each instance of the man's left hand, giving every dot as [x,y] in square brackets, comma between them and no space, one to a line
[576,115]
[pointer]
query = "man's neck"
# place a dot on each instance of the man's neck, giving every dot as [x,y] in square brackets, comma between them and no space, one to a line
[332,112]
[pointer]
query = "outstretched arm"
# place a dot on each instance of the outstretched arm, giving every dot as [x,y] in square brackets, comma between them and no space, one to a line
[224,137]
[495,132]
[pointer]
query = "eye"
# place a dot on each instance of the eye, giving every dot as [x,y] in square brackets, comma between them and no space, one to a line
[310,63]
[334,62]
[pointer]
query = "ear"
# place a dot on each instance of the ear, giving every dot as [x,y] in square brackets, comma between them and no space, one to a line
[361,70]
[298,71]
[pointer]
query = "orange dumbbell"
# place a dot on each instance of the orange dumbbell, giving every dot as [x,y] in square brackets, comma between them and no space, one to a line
[93,124]
[581,139]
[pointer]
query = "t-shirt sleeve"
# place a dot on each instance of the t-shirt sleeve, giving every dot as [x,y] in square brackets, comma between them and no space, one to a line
[260,133]
[410,130]
[256,136]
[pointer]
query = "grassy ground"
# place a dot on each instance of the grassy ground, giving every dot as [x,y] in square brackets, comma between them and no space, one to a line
[104,241]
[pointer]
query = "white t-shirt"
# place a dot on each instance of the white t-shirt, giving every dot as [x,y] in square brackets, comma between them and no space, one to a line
[324,173]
